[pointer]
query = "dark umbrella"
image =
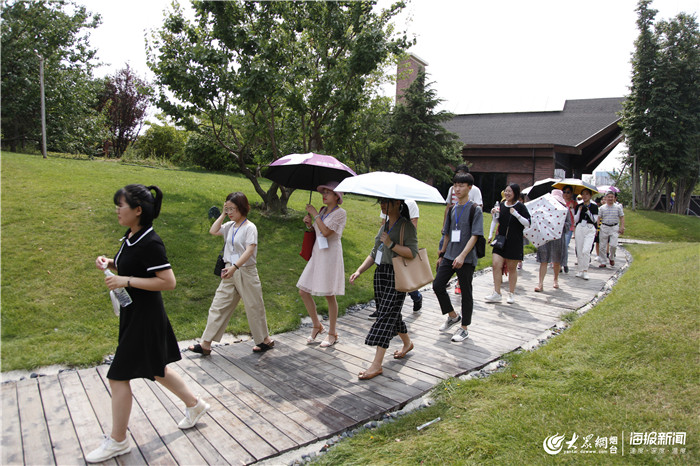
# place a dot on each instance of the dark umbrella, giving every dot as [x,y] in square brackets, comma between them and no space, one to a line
[540,188]
[307,171]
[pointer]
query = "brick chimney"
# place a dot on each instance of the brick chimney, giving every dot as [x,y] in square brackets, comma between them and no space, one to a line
[406,72]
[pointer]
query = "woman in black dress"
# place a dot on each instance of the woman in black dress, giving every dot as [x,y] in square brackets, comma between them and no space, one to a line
[147,343]
[513,218]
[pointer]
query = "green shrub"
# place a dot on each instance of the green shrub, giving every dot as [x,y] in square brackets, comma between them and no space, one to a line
[161,141]
[203,151]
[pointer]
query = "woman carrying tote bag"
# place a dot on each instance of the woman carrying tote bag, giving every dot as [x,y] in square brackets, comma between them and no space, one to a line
[389,301]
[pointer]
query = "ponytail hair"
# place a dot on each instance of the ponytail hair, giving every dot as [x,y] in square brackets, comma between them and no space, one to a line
[138,195]
[403,210]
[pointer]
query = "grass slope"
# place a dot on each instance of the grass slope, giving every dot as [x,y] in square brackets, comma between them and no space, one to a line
[628,365]
[58,215]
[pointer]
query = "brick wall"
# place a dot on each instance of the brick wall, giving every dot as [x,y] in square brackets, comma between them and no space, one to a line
[518,163]
[407,72]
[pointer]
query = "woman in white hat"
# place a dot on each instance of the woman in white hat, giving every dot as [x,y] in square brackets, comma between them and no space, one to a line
[324,274]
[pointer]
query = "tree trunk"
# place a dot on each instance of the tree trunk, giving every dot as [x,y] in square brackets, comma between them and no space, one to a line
[684,192]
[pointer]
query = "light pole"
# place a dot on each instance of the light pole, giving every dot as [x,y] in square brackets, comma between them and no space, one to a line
[43,106]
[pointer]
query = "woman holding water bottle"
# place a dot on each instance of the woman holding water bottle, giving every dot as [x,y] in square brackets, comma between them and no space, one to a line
[147,343]
[239,278]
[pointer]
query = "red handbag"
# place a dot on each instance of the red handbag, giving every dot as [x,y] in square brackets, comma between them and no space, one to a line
[307,244]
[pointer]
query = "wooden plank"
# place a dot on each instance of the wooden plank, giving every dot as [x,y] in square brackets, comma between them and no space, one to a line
[145,437]
[299,385]
[99,397]
[64,439]
[175,440]
[293,392]
[294,368]
[437,363]
[345,365]
[332,375]
[12,452]
[396,369]
[231,414]
[249,401]
[398,381]
[211,441]
[35,433]
[292,410]
[86,425]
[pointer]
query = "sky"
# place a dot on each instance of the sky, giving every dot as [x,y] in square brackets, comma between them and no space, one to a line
[483,56]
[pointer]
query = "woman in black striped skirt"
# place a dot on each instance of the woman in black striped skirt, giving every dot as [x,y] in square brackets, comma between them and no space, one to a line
[388,301]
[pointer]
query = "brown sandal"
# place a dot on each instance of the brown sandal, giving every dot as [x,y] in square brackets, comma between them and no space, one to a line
[317,331]
[326,343]
[402,354]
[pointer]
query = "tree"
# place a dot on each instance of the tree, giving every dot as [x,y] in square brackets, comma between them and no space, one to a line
[56,31]
[125,99]
[270,78]
[661,116]
[418,143]
[162,141]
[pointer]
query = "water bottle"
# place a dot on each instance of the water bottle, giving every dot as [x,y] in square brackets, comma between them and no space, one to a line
[121,293]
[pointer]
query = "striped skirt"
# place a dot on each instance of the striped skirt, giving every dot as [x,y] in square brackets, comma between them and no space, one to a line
[389,303]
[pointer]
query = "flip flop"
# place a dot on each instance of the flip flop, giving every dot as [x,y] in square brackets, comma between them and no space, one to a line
[538,288]
[198,349]
[262,347]
[402,354]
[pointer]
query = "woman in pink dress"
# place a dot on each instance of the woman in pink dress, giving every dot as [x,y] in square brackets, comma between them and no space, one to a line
[324,274]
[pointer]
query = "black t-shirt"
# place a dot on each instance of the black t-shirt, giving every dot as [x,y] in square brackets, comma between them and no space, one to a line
[582,209]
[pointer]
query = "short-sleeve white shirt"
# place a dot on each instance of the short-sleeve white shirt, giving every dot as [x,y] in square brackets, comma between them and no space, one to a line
[238,238]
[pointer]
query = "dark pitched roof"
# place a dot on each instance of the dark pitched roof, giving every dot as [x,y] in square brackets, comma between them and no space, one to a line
[576,123]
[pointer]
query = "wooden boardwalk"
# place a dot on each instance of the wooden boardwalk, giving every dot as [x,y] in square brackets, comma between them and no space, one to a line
[264,405]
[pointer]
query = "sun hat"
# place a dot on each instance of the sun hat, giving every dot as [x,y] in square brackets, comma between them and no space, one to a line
[331,185]
[559,196]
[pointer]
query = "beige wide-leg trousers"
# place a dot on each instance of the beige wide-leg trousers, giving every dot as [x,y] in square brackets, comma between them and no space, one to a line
[244,284]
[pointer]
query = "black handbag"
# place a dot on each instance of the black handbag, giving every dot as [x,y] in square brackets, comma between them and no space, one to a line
[500,241]
[220,264]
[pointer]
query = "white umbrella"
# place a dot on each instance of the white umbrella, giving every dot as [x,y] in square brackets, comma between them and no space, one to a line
[390,185]
[547,217]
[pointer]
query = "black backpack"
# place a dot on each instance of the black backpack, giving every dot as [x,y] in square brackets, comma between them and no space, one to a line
[480,245]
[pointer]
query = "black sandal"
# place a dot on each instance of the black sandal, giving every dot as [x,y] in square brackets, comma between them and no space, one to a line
[262,347]
[198,349]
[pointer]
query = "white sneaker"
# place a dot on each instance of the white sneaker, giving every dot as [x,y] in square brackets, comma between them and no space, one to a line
[460,335]
[193,414]
[449,322]
[109,449]
[493,298]
[579,274]
[511,298]
[585,275]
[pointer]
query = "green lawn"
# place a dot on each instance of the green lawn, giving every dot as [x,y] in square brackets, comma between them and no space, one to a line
[58,215]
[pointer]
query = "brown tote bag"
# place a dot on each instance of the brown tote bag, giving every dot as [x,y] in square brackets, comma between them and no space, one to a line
[411,274]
